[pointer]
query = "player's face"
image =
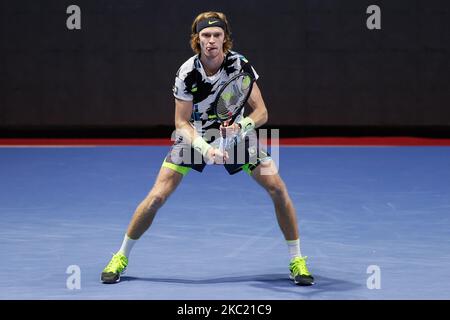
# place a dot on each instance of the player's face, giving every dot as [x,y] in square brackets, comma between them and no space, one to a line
[211,41]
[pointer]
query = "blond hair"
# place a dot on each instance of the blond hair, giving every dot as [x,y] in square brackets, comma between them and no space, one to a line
[195,40]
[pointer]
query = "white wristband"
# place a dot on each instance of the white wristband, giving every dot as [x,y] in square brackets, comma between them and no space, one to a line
[201,145]
[247,124]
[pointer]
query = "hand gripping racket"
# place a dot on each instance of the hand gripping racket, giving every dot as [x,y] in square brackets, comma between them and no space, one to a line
[230,100]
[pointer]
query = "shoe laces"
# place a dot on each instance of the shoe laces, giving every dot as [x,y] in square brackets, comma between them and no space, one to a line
[117,263]
[298,266]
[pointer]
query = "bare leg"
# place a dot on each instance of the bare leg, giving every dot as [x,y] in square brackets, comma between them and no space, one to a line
[166,182]
[285,211]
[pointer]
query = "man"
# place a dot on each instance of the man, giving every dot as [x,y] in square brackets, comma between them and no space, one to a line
[196,85]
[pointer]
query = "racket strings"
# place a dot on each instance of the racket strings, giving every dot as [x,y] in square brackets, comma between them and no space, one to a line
[232,97]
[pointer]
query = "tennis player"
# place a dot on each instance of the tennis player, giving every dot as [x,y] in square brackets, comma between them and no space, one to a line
[196,84]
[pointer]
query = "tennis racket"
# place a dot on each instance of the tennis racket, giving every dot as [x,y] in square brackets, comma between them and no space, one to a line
[230,100]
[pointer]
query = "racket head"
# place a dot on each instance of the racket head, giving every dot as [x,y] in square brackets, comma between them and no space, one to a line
[232,96]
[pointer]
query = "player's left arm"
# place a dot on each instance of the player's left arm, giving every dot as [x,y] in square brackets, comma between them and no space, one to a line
[259,113]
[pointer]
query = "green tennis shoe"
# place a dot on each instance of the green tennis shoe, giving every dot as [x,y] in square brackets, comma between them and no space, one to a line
[299,272]
[115,268]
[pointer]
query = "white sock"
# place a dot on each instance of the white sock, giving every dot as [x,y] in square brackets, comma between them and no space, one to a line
[127,245]
[294,248]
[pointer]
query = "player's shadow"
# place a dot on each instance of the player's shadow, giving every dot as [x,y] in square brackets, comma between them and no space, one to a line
[276,282]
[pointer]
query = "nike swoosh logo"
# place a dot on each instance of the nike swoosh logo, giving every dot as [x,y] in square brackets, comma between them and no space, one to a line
[212,22]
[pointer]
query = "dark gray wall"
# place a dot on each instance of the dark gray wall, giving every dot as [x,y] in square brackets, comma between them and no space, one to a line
[318,62]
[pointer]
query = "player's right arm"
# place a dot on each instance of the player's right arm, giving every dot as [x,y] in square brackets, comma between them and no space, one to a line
[183,111]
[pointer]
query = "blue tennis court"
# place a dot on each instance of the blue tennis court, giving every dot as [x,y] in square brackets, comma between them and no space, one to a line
[359,208]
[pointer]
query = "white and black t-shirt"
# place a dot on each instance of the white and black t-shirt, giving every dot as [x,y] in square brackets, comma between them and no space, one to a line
[192,84]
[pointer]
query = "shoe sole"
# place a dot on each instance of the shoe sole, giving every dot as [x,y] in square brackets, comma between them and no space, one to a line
[112,281]
[298,283]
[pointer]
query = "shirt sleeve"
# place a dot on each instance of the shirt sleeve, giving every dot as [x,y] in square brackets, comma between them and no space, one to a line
[247,67]
[179,88]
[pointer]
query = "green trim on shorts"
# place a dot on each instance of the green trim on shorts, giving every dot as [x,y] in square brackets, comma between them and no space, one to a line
[249,167]
[175,167]
[246,168]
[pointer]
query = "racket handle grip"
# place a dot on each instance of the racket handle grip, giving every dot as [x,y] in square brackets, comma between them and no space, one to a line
[221,144]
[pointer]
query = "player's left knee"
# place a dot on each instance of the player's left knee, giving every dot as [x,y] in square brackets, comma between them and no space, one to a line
[277,189]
